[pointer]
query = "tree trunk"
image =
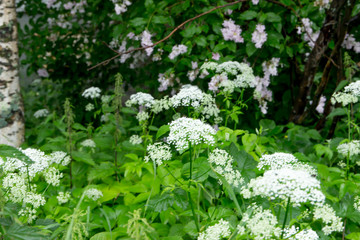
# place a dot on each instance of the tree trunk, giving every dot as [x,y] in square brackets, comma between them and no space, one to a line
[11,107]
[321,45]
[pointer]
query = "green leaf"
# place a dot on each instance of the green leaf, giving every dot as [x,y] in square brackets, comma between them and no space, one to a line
[11,152]
[201,41]
[353,236]
[18,232]
[161,203]
[78,126]
[83,157]
[162,130]
[248,15]
[106,236]
[250,49]
[341,85]
[337,112]
[101,172]
[137,22]
[272,17]
[149,5]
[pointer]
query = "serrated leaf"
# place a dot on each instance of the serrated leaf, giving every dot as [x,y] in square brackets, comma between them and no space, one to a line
[250,49]
[161,203]
[11,152]
[18,232]
[272,17]
[337,112]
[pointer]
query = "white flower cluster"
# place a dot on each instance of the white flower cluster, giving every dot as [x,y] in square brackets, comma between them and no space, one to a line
[29,213]
[259,223]
[241,72]
[89,107]
[283,160]
[41,113]
[326,214]
[217,232]
[349,149]
[60,157]
[259,36]
[92,92]
[192,96]
[231,31]
[135,139]
[142,116]
[140,99]
[121,6]
[357,203]
[309,35]
[177,50]
[146,41]
[293,233]
[350,94]
[186,130]
[223,165]
[351,43]
[262,92]
[158,152]
[93,193]
[160,105]
[63,197]
[88,143]
[298,185]
[52,176]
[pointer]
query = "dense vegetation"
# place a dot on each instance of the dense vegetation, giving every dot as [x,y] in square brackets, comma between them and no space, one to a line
[241,124]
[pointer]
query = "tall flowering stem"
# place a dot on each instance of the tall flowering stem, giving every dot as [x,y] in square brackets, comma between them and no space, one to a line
[69,118]
[189,195]
[117,103]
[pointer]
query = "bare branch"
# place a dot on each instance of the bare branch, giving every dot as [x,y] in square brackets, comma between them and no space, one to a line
[165,38]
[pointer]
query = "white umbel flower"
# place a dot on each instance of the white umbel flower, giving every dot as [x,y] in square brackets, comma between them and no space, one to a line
[327,215]
[298,185]
[188,96]
[29,213]
[63,197]
[135,139]
[259,223]
[349,149]
[142,116]
[92,92]
[343,98]
[293,233]
[217,232]
[52,176]
[186,130]
[158,152]
[93,194]
[140,99]
[222,162]
[357,203]
[41,113]
[88,143]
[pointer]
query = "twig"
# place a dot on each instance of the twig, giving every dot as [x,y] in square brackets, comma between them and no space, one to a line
[165,38]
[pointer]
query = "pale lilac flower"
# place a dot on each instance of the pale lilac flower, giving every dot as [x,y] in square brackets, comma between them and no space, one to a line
[255,2]
[216,56]
[231,31]
[42,72]
[194,65]
[259,36]
[131,35]
[146,41]
[177,50]
[68,5]
[321,105]
[228,12]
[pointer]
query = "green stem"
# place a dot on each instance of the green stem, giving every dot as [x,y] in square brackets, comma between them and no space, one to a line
[189,195]
[285,218]
[70,228]
[173,176]
[152,187]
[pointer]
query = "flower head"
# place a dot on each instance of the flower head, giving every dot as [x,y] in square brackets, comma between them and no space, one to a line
[216,232]
[259,36]
[231,31]
[140,99]
[41,113]
[158,152]
[186,130]
[177,50]
[92,92]
[93,194]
